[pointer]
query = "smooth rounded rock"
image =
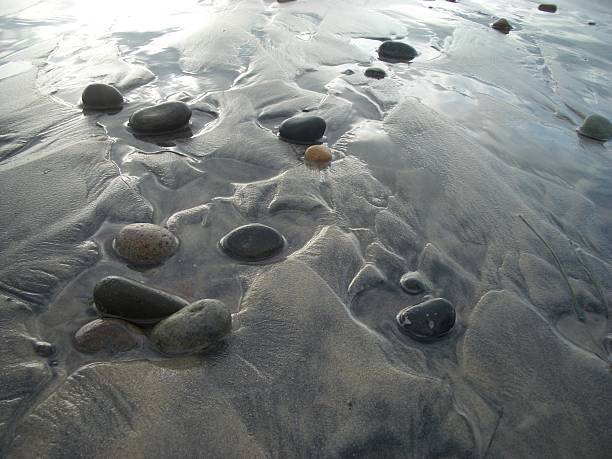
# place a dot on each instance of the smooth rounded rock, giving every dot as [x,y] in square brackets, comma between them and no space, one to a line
[145,243]
[375,72]
[427,321]
[118,297]
[548,7]
[110,335]
[100,96]
[44,349]
[596,127]
[412,283]
[193,328]
[396,51]
[161,119]
[318,154]
[502,25]
[303,129]
[253,242]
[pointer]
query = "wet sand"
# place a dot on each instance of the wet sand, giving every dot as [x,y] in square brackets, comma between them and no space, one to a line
[462,167]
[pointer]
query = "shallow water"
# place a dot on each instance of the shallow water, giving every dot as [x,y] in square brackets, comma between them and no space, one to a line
[463,165]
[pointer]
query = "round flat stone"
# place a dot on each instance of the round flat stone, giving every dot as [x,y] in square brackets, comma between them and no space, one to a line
[145,243]
[396,51]
[375,72]
[253,242]
[412,283]
[193,328]
[100,96]
[596,127]
[318,153]
[502,25]
[427,321]
[548,7]
[303,129]
[161,119]
[110,335]
[118,297]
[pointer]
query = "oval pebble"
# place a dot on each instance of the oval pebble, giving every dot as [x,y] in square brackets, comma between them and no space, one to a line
[122,298]
[110,335]
[428,320]
[375,72]
[303,129]
[596,127]
[145,243]
[548,7]
[396,51]
[253,242]
[412,283]
[100,96]
[318,153]
[162,118]
[193,328]
[502,25]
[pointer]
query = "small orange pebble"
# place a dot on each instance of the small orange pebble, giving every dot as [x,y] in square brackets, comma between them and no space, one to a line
[318,153]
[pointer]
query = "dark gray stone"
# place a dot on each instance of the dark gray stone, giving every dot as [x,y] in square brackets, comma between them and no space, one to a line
[193,328]
[126,299]
[548,7]
[145,243]
[375,72]
[427,321]
[596,127]
[44,349]
[502,25]
[303,129]
[109,335]
[100,96]
[396,51]
[412,283]
[161,119]
[253,242]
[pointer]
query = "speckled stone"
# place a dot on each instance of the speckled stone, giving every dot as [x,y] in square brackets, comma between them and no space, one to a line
[122,298]
[100,96]
[396,51]
[375,72]
[303,129]
[253,242]
[109,335]
[502,25]
[548,7]
[145,244]
[193,328]
[427,321]
[596,127]
[318,153]
[161,119]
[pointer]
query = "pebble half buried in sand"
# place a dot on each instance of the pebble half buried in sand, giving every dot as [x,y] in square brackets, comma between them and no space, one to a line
[193,328]
[318,154]
[596,127]
[396,51]
[118,297]
[502,25]
[301,129]
[161,119]
[253,242]
[412,283]
[110,335]
[375,72]
[100,96]
[428,320]
[548,7]
[145,243]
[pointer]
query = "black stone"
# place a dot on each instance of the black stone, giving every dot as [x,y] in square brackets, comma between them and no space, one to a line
[548,7]
[99,96]
[44,349]
[428,320]
[161,119]
[126,299]
[375,72]
[302,129]
[412,283]
[253,242]
[502,25]
[396,51]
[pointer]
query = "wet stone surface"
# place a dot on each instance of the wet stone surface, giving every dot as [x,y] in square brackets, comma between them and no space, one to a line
[99,96]
[596,127]
[145,244]
[412,283]
[396,51]
[427,321]
[119,297]
[253,242]
[502,25]
[375,72]
[44,349]
[108,335]
[161,119]
[193,328]
[303,129]
[318,153]
[548,7]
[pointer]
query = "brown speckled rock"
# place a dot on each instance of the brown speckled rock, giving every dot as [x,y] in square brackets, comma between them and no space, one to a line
[318,153]
[109,335]
[145,244]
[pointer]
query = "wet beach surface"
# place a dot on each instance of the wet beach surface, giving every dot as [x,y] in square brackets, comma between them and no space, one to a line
[440,287]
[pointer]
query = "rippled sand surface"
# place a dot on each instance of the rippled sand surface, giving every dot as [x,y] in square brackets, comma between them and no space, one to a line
[463,165]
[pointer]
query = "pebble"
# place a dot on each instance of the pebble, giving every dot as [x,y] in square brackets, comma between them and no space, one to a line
[119,297]
[110,335]
[44,349]
[145,243]
[303,129]
[548,7]
[161,119]
[591,23]
[429,320]
[100,96]
[193,328]
[396,51]
[253,242]
[596,127]
[412,283]
[502,25]
[375,72]
[318,153]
